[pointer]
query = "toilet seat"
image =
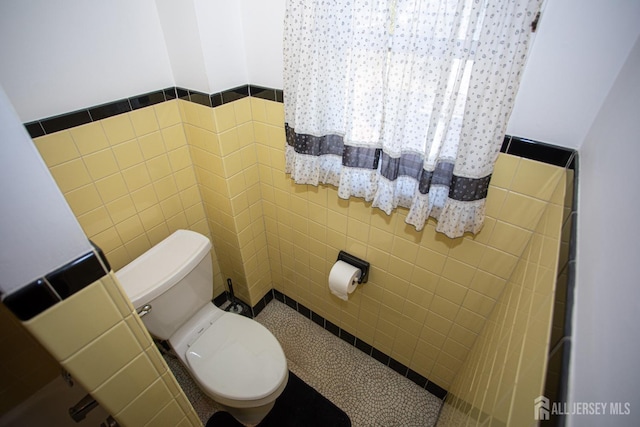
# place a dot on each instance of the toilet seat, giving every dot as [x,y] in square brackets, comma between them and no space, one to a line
[238,362]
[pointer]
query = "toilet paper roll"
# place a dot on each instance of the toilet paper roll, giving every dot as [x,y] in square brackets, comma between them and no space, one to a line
[343,279]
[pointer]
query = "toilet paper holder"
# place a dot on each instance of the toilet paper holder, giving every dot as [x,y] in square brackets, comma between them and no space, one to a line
[356,262]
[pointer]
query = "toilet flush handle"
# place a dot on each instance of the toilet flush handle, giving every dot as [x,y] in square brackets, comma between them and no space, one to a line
[145,309]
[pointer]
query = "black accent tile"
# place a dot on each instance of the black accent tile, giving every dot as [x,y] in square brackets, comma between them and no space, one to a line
[268,297]
[199,98]
[572,161]
[417,378]
[262,92]
[66,121]
[220,299]
[332,327]
[235,93]
[31,300]
[505,144]
[169,93]
[539,151]
[380,356]
[278,295]
[279,95]
[215,100]
[147,99]
[102,256]
[304,311]
[77,275]
[319,320]
[400,368]
[109,110]
[259,307]
[363,346]
[35,129]
[347,337]
[291,303]
[182,93]
[436,390]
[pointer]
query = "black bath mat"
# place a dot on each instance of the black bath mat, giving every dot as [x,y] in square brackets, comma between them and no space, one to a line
[298,405]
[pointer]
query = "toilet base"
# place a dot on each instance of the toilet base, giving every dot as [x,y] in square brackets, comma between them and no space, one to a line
[249,416]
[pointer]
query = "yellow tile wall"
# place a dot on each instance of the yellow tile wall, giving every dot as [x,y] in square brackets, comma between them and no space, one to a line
[505,370]
[225,159]
[428,296]
[129,179]
[111,354]
[134,178]
[25,366]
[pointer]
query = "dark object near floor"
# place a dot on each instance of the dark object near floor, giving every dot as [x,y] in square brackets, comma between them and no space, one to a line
[298,405]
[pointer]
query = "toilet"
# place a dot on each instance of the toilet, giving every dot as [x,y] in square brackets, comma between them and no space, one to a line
[235,360]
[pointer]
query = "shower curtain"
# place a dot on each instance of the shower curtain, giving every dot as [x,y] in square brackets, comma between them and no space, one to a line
[403,102]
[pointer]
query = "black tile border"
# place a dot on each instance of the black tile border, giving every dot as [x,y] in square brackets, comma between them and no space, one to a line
[349,338]
[561,387]
[58,285]
[540,151]
[84,116]
[31,300]
[515,145]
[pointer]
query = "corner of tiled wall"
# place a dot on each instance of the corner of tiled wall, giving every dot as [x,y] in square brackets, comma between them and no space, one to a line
[111,354]
[129,179]
[505,369]
[226,162]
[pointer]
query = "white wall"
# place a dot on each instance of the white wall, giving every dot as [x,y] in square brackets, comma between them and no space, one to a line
[263,31]
[63,55]
[182,40]
[38,231]
[73,54]
[606,345]
[222,37]
[579,49]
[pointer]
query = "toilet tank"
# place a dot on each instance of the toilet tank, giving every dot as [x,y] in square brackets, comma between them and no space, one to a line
[175,277]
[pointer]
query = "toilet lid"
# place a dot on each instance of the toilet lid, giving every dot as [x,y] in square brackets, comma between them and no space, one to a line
[237,358]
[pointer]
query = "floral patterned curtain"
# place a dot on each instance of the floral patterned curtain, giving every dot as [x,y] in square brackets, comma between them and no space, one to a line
[403,102]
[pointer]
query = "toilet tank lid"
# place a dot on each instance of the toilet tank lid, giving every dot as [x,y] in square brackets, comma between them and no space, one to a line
[162,266]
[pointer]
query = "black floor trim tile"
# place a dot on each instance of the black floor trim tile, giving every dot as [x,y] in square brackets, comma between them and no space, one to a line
[347,337]
[319,320]
[436,390]
[380,356]
[363,346]
[417,378]
[332,327]
[400,368]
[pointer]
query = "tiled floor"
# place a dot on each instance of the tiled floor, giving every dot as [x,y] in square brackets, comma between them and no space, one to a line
[369,392]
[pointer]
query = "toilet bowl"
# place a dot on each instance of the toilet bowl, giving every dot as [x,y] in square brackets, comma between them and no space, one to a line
[235,360]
